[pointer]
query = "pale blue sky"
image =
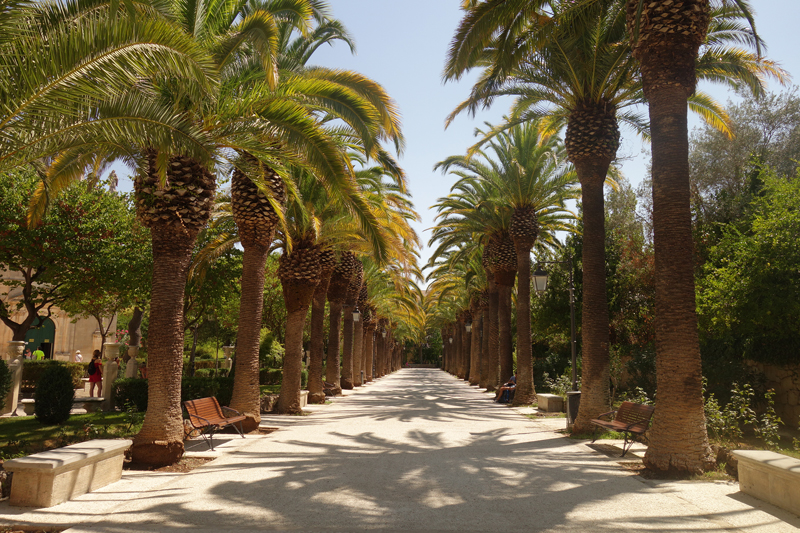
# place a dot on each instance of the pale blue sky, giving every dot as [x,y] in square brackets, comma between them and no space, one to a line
[402,45]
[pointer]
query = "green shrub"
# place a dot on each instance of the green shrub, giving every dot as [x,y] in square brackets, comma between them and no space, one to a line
[32,372]
[131,391]
[202,387]
[210,372]
[5,382]
[54,394]
[274,376]
[270,376]
[204,364]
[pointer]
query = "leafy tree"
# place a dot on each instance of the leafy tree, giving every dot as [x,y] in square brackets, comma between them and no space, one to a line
[749,294]
[117,274]
[82,251]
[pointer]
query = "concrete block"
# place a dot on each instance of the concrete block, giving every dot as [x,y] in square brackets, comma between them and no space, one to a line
[550,403]
[55,476]
[29,406]
[770,476]
[303,398]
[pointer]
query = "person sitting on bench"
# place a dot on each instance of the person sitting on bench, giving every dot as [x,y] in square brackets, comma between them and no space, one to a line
[506,393]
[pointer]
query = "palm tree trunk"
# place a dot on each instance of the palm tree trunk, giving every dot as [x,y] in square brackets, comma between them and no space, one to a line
[493,378]
[358,352]
[595,391]
[160,441]
[525,393]
[505,344]
[333,362]
[466,349]
[246,392]
[484,360]
[369,351]
[678,437]
[289,399]
[316,347]
[347,348]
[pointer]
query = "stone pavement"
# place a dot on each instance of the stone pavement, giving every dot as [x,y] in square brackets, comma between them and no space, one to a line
[418,450]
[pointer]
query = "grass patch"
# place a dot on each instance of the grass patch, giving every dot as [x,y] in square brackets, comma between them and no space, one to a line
[20,436]
[270,389]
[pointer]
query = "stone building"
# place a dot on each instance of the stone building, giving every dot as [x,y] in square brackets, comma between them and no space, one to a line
[60,335]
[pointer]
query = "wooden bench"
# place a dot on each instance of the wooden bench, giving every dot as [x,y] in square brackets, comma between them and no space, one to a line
[206,415]
[630,418]
[55,476]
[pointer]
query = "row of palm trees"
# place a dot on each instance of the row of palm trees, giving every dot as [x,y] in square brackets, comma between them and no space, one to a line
[580,67]
[189,93]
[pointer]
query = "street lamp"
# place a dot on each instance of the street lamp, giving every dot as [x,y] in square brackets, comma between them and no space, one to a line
[451,340]
[540,285]
[383,333]
[356,315]
[468,326]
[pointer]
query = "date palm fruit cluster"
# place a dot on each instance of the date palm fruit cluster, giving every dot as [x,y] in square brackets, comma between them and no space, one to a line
[524,227]
[592,133]
[185,201]
[254,215]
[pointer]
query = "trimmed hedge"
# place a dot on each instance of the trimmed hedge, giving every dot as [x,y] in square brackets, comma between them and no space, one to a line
[134,390]
[32,372]
[54,394]
[274,376]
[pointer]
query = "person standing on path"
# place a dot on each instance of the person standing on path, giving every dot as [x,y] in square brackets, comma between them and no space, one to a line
[78,356]
[95,375]
[38,355]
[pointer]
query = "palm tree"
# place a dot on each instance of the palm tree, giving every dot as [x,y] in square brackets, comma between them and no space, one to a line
[576,59]
[531,177]
[528,184]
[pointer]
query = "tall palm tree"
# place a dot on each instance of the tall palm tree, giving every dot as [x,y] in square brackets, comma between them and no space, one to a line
[531,177]
[572,66]
[666,42]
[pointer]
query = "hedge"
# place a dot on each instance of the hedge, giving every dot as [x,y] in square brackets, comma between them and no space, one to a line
[274,376]
[134,390]
[32,371]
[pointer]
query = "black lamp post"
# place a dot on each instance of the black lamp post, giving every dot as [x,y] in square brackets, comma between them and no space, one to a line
[468,326]
[540,285]
[356,315]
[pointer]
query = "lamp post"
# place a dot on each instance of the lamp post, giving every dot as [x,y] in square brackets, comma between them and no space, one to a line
[540,285]
[468,327]
[356,315]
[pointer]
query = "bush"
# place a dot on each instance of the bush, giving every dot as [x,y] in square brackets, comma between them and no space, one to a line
[131,391]
[274,376]
[210,372]
[202,387]
[54,394]
[270,376]
[5,382]
[32,372]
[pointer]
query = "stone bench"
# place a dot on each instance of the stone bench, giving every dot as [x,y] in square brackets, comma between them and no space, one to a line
[55,476]
[770,476]
[550,403]
[269,401]
[90,404]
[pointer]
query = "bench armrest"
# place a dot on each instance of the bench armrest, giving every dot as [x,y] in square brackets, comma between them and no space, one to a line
[231,410]
[609,413]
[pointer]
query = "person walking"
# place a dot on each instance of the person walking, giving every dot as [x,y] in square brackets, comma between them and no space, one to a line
[38,355]
[78,356]
[95,371]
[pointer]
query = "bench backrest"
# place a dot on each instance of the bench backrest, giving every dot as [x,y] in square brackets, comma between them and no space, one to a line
[636,415]
[205,407]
